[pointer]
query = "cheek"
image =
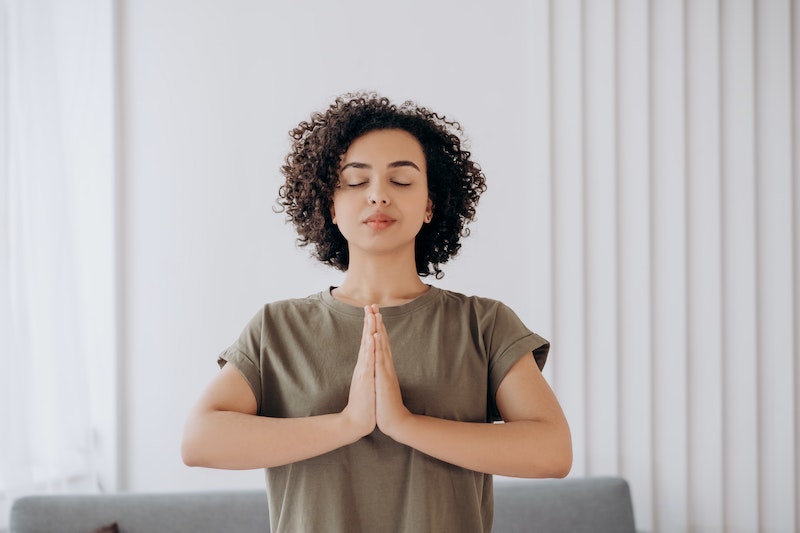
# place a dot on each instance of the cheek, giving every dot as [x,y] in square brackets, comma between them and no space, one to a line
[336,205]
[342,210]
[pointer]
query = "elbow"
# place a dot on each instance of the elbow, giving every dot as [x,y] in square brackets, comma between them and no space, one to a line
[192,448]
[563,457]
[552,460]
[559,462]
[563,464]
[557,466]
[189,455]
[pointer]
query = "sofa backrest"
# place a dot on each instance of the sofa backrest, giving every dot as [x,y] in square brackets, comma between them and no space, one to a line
[575,505]
[240,511]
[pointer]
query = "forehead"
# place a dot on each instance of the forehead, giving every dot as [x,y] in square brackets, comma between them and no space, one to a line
[383,147]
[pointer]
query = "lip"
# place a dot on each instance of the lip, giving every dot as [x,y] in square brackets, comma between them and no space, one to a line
[378,217]
[379,221]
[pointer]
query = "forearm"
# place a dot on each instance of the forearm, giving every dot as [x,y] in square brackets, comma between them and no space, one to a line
[238,441]
[525,448]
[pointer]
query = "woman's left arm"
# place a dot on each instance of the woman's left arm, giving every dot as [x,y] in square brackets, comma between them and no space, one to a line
[534,441]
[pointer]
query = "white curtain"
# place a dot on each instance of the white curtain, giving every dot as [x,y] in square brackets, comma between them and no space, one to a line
[674,159]
[48,165]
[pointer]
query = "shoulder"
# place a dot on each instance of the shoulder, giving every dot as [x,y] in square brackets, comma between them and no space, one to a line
[500,328]
[308,302]
[465,298]
[488,313]
[288,309]
[484,313]
[293,307]
[480,305]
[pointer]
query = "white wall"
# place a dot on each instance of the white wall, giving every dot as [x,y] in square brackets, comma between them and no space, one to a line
[642,213]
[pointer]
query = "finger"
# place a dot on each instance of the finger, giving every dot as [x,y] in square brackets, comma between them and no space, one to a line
[369,356]
[376,335]
[366,350]
[383,350]
[380,326]
[383,335]
[369,316]
[369,325]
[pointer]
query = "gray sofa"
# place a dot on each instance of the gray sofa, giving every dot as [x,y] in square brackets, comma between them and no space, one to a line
[572,505]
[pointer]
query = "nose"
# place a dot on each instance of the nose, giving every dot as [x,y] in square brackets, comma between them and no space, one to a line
[377,194]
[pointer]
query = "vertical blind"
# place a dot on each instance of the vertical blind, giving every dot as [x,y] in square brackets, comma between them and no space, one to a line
[672,174]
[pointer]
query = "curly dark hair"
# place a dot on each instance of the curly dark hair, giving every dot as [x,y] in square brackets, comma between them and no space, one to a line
[311,168]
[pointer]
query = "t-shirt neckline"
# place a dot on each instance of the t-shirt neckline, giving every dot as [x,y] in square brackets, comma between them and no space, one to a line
[395,310]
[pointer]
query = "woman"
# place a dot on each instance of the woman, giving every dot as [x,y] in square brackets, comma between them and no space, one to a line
[370,404]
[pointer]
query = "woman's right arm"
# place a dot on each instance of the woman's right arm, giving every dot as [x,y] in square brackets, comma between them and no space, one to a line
[224,431]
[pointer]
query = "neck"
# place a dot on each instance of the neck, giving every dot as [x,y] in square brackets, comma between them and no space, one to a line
[386,282]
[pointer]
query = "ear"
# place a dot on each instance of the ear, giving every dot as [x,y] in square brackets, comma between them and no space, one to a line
[333,215]
[429,211]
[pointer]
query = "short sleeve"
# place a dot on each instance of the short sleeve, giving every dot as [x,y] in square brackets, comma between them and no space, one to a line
[245,355]
[508,340]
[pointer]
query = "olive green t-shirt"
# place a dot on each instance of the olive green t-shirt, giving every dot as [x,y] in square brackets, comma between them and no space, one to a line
[450,351]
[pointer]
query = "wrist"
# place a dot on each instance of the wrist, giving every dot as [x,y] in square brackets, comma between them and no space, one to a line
[353,426]
[400,426]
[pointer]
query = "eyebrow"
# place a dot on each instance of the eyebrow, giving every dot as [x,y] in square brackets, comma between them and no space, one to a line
[394,164]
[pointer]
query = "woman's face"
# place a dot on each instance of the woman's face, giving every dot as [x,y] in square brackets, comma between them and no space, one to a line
[381,200]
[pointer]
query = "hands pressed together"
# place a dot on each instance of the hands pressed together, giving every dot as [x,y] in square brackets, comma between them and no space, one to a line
[375,399]
[225,431]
